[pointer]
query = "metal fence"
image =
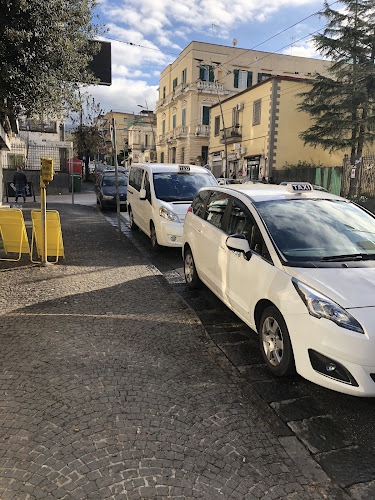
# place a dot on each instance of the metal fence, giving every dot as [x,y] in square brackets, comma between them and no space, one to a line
[28,155]
[328,177]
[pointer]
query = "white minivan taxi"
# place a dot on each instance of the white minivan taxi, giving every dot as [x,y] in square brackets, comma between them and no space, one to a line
[158,197]
[297,265]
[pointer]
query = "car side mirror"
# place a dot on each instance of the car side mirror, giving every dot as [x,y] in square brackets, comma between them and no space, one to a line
[142,194]
[238,243]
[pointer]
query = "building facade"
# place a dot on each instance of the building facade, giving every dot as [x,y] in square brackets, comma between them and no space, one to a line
[120,123]
[257,131]
[206,74]
[142,138]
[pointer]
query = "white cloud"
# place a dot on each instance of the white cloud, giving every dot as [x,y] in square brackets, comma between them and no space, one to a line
[124,95]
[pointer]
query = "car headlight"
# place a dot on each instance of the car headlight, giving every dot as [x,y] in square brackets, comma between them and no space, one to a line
[321,306]
[168,214]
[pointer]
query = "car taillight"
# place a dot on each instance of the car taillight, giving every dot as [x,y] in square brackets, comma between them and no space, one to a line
[190,209]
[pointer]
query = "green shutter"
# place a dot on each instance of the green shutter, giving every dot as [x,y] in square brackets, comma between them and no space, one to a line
[211,74]
[206,115]
[249,79]
[201,73]
[236,73]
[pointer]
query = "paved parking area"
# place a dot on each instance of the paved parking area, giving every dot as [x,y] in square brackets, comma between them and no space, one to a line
[111,388]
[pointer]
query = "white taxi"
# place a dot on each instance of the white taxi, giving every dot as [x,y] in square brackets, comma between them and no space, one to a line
[158,197]
[298,266]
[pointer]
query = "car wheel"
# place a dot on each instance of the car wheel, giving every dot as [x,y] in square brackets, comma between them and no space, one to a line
[132,224]
[191,276]
[102,208]
[154,241]
[275,343]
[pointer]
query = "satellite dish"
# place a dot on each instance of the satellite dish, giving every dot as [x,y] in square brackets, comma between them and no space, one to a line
[234,42]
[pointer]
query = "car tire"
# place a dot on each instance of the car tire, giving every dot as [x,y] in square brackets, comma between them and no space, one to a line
[153,238]
[102,208]
[275,343]
[191,276]
[133,226]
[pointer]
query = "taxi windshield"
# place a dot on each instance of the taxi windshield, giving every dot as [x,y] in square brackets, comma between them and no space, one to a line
[319,229]
[179,186]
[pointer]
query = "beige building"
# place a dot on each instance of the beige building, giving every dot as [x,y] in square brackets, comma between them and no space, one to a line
[121,122]
[203,75]
[142,144]
[257,131]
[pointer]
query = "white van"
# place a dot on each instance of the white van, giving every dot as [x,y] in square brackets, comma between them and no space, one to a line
[159,195]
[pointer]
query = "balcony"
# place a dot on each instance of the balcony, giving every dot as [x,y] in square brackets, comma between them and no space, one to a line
[231,134]
[203,130]
[210,86]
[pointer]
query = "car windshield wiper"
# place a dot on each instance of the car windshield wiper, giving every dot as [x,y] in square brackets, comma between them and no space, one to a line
[348,257]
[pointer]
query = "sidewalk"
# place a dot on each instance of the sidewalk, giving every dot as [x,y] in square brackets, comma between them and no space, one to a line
[111,388]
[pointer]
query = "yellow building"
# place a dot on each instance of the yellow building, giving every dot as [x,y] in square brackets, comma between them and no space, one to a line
[257,131]
[198,79]
[121,122]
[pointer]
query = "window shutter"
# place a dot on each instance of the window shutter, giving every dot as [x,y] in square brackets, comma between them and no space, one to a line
[236,73]
[211,74]
[206,115]
[201,73]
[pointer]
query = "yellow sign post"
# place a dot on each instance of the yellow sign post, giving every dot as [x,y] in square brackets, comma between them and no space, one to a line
[46,176]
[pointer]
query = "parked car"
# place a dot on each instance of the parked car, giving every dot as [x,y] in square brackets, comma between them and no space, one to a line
[159,195]
[224,180]
[298,266]
[106,195]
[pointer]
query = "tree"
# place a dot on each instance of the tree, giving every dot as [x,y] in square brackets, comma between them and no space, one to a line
[45,47]
[87,138]
[342,105]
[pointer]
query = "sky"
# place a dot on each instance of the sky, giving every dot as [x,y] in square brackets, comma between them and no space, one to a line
[147,35]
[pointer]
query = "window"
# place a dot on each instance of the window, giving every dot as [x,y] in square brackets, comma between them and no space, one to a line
[183,117]
[199,203]
[125,119]
[146,185]
[205,115]
[206,73]
[204,154]
[146,140]
[256,111]
[235,117]
[174,83]
[164,92]
[182,155]
[174,121]
[263,76]
[215,209]
[135,178]
[242,79]
[184,75]
[163,127]
[242,222]
[162,157]
[217,125]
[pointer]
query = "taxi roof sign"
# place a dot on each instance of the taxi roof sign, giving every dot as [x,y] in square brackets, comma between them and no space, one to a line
[183,168]
[298,187]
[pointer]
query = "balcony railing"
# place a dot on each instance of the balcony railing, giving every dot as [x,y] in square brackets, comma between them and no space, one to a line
[231,134]
[203,130]
[210,86]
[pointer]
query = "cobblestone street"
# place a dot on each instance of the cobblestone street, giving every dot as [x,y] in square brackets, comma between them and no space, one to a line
[111,388]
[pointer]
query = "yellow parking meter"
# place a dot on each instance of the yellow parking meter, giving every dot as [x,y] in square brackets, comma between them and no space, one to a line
[46,171]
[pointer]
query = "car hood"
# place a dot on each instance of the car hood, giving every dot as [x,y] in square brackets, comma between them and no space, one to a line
[349,287]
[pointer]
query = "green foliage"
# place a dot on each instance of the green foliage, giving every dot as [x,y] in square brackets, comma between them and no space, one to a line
[45,47]
[342,104]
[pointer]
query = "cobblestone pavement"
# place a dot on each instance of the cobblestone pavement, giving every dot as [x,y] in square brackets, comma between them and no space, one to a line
[111,388]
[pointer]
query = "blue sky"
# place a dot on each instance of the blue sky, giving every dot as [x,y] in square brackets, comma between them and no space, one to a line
[147,35]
